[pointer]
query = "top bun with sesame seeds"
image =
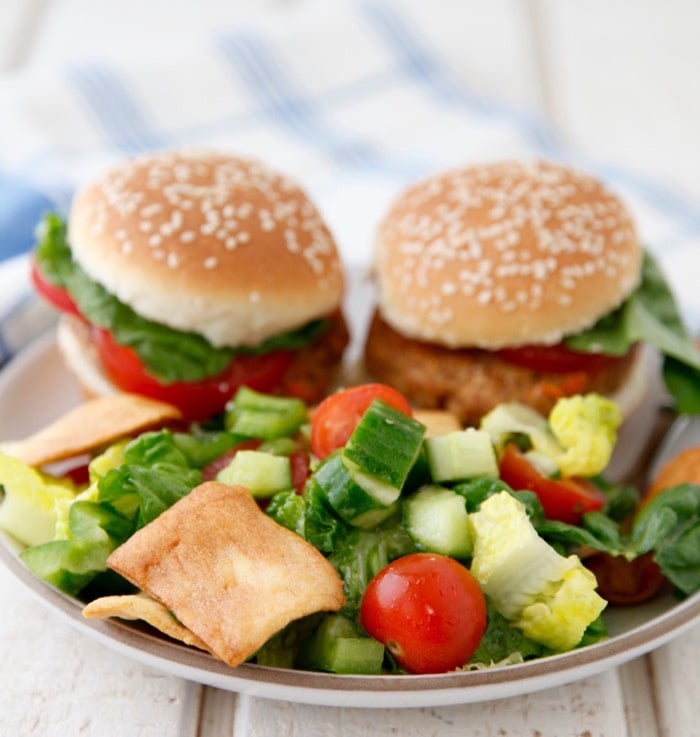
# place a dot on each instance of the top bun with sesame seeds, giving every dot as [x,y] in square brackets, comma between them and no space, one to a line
[505,254]
[483,271]
[204,241]
[189,273]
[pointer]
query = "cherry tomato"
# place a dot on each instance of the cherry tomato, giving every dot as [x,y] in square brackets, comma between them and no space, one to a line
[196,400]
[556,358]
[336,417]
[562,499]
[428,610]
[56,296]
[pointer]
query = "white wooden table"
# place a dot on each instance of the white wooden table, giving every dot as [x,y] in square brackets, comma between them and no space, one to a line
[610,76]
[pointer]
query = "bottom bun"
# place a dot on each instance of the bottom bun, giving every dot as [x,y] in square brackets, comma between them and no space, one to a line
[80,356]
[311,373]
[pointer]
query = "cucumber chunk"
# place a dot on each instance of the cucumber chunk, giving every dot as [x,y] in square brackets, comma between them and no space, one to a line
[351,502]
[382,450]
[261,473]
[461,455]
[437,520]
[337,646]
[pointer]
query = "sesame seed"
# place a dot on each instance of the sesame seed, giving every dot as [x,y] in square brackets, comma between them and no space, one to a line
[173,200]
[510,222]
[150,210]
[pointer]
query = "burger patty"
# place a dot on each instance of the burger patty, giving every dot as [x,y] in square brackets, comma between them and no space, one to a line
[313,370]
[470,382]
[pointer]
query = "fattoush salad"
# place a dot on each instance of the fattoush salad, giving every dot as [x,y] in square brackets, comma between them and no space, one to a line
[357,536]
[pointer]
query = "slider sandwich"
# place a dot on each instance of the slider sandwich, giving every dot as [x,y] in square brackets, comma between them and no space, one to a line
[182,275]
[520,281]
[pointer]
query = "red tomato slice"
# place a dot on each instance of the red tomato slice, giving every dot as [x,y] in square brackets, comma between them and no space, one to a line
[79,475]
[196,400]
[299,462]
[562,499]
[56,296]
[337,415]
[558,359]
[428,610]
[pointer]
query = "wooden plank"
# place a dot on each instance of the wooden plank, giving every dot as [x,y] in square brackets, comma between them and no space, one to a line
[639,698]
[675,674]
[56,681]
[218,713]
[592,707]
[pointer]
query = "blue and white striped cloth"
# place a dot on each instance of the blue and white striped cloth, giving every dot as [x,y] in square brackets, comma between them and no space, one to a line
[355,103]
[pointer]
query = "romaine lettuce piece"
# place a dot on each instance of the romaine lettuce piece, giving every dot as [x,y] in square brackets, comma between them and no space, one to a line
[586,428]
[552,599]
[577,439]
[28,509]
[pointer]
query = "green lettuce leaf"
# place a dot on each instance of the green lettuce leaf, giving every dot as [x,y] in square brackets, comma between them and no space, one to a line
[502,640]
[669,524]
[361,554]
[169,355]
[650,315]
[158,469]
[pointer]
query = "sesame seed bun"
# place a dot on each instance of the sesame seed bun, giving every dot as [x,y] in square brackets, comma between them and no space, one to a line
[207,242]
[504,254]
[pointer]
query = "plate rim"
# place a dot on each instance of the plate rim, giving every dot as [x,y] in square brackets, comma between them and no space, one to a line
[329,689]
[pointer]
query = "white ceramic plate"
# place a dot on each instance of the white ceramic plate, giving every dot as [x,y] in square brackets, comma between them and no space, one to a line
[35,388]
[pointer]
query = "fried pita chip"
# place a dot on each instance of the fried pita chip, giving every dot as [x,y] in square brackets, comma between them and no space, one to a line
[91,426]
[227,571]
[141,606]
[437,421]
[683,468]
